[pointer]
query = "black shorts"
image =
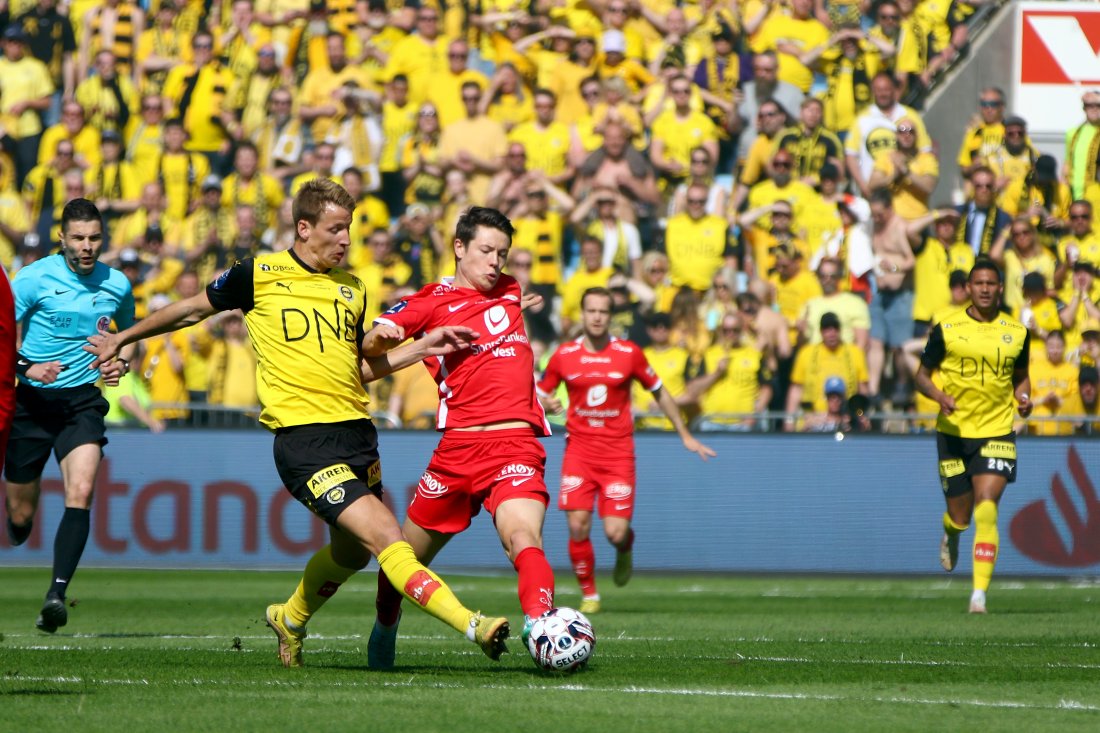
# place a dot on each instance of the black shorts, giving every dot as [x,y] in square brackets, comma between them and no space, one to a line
[58,419]
[327,467]
[962,458]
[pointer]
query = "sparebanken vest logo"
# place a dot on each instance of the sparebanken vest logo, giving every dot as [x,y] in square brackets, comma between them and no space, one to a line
[1033,530]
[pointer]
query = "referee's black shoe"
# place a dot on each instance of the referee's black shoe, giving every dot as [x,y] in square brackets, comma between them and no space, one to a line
[17,535]
[53,614]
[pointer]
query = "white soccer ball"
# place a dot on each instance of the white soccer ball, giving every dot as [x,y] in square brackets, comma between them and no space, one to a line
[561,640]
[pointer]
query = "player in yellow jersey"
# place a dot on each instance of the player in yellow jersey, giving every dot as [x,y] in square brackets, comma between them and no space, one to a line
[981,356]
[306,319]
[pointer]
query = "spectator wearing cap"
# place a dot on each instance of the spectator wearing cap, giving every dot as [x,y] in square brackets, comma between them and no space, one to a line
[1026,256]
[617,17]
[765,242]
[1085,402]
[616,63]
[196,93]
[984,140]
[26,90]
[1083,147]
[815,364]
[108,96]
[810,143]
[938,258]
[835,418]
[112,183]
[206,230]
[1043,197]
[793,37]
[1053,380]
[850,309]
[1081,306]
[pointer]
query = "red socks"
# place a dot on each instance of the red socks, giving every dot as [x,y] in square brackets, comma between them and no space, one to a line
[536,582]
[583,558]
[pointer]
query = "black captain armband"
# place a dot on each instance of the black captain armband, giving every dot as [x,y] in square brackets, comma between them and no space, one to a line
[22,365]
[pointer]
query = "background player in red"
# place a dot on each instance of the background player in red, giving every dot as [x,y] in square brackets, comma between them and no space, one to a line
[490,417]
[598,467]
[7,363]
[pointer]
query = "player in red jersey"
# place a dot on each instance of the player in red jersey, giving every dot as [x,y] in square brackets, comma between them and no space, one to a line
[598,467]
[490,417]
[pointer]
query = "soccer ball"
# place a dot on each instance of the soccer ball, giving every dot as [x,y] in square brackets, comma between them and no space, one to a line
[561,640]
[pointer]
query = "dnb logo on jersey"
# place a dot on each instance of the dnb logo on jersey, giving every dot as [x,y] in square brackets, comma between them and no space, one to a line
[496,320]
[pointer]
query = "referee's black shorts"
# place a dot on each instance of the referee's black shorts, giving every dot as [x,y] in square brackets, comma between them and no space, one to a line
[58,419]
[327,467]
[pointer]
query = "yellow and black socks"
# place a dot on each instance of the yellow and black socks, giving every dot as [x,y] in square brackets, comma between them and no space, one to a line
[322,577]
[423,587]
[986,540]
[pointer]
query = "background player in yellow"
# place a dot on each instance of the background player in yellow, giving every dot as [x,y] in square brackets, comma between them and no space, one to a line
[981,356]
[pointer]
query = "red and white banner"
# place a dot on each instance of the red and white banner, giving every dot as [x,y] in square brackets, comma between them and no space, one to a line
[1057,59]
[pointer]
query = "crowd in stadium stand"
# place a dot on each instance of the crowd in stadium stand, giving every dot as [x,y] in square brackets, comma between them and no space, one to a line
[751,180]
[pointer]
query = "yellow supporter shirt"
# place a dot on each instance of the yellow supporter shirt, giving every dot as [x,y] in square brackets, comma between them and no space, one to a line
[910,202]
[816,363]
[263,194]
[981,143]
[144,144]
[575,286]
[232,377]
[181,174]
[671,365]
[696,249]
[806,35]
[397,122]
[799,195]
[547,148]
[318,89]
[419,60]
[933,268]
[199,103]
[162,367]
[792,295]
[512,109]
[566,85]
[1016,267]
[736,391]
[86,144]
[542,238]
[1047,379]
[681,135]
[445,94]
[13,215]
[21,81]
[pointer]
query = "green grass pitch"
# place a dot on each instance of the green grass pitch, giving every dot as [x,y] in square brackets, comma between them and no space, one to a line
[188,651]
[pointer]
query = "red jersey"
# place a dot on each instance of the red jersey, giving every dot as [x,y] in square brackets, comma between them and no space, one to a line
[599,392]
[492,381]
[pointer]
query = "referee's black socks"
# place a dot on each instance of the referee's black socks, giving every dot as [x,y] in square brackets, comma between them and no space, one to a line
[68,546]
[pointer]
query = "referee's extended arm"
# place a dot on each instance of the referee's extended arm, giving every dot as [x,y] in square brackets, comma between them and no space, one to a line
[178,315]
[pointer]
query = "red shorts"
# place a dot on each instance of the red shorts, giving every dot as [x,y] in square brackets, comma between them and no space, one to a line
[611,480]
[471,469]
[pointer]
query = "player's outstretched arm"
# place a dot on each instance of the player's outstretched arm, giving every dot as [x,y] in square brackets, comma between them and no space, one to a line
[672,412]
[178,315]
[437,342]
[380,339]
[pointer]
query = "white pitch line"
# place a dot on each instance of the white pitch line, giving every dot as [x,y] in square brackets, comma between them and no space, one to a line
[1067,705]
